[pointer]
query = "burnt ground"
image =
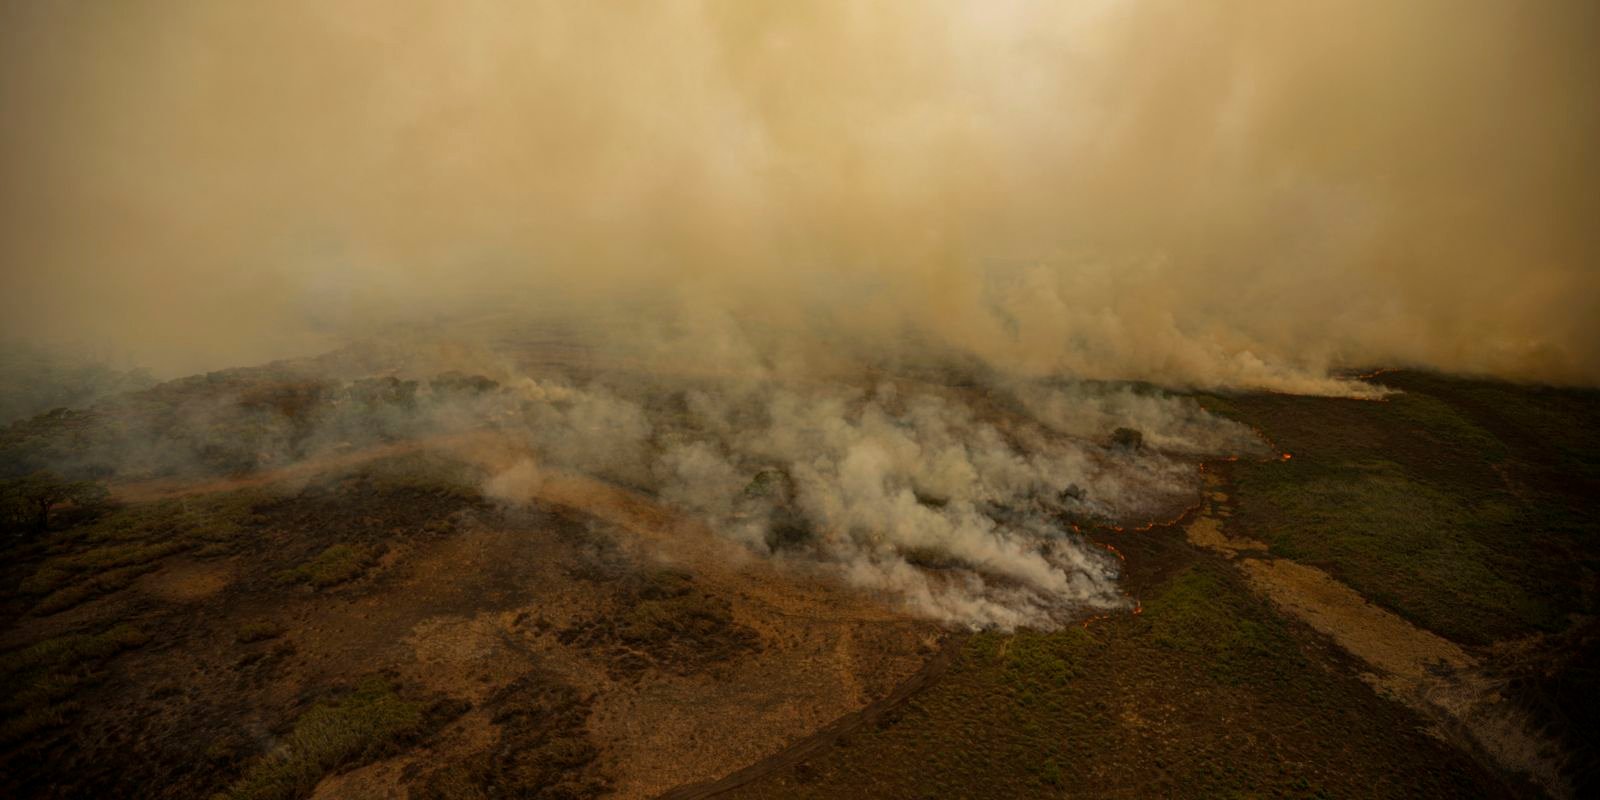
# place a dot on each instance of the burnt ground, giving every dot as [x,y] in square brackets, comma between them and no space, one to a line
[387,631]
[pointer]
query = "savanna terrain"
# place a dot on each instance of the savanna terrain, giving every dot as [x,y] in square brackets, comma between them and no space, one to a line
[1401,603]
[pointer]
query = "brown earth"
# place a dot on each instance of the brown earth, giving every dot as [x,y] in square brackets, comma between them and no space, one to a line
[462,601]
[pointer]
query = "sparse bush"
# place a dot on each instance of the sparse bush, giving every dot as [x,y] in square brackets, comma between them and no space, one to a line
[544,751]
[386,391]
[1127,439]
[461,383]
[258,631]
[667,620]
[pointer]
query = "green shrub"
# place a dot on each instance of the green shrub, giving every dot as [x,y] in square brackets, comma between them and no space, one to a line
[333,566]
[358,727]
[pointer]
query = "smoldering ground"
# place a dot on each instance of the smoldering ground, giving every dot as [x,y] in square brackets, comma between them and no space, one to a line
[955,505]
[952,498]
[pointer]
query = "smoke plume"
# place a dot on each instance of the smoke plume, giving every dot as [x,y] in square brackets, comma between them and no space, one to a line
[1229,193]
[951,502]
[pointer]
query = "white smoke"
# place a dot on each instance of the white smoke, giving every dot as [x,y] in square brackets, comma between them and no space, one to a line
[954,501]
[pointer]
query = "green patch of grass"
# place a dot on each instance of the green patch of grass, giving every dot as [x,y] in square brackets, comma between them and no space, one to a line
[45,580]
[1038,662]
[1428,553]
[335,565]
[34,719]
[1208,693]
[106,554]
[97,563]
[1193,614]
[1446,426]
[358,727]
[193,521]
[1219,405]
[1458,504]
[1557,426]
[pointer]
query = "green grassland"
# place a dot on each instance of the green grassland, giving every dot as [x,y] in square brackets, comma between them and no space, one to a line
[1465,506]
[364,724]
[1208,693]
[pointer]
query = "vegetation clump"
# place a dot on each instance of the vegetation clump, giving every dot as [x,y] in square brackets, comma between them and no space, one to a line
[543,750]
[461,383]
[26,503]
[361,726]
[666,621]
[258,631]
[106,555]
[1127,439]
[335,565]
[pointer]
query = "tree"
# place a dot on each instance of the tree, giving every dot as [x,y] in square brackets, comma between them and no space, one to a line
[28,501]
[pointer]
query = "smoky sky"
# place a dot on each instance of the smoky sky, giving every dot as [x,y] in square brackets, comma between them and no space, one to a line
[1220,193]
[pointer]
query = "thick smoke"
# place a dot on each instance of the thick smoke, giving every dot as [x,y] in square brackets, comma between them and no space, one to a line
[1220,193]
[955,497]
[951,502]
